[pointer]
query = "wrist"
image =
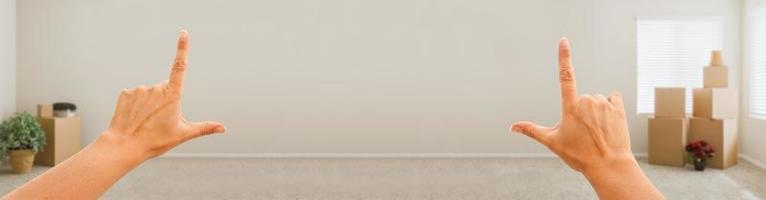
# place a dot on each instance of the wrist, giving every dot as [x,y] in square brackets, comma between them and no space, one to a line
[120,148]
[613,172]
[621,178]
[618,165]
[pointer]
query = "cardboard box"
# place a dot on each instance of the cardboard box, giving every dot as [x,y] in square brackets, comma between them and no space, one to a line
[667,137]
[44,110]
[669,102]
[715,77]
[716,103]
[716,58]
[722,134]
[62,138]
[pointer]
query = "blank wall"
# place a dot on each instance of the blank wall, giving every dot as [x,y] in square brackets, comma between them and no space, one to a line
[337,76]
[752,129]
[7,58]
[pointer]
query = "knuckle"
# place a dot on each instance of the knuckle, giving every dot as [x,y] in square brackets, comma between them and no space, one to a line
[565,73]
[616,97]
[601,99]
[126,92]
[613,99]
[179,65]
[161,84]
[154,88]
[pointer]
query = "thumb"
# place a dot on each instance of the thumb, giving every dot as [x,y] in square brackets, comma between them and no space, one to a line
[205,128]
[534,131]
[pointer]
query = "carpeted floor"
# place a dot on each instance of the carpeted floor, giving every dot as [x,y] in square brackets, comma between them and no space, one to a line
[399,178]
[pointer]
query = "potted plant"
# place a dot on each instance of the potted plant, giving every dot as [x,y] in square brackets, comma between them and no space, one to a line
[64,109]
[698,152]
[21,137]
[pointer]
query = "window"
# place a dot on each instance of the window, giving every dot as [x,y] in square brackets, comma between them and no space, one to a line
[757,61]
[671,51]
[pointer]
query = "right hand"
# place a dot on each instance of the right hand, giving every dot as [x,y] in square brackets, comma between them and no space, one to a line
[592,132]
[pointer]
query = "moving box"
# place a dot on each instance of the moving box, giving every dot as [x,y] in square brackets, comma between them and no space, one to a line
[722,134]
[667,137]
[669,102]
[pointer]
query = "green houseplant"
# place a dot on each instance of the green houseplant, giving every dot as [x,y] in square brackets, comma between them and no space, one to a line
[21,137]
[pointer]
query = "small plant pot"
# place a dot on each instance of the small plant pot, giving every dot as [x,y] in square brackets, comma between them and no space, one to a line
[699,165]
[22,160]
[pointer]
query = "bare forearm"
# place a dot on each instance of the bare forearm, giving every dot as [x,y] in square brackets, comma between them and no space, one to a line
[147,122]
[86,175]
[622,179]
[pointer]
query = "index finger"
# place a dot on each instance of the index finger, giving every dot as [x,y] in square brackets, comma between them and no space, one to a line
[567,76]
[179,63]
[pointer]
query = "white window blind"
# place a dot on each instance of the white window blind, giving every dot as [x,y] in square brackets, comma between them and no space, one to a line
[671,51]
[758,63]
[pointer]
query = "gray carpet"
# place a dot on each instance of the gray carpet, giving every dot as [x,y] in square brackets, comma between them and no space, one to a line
[399,178]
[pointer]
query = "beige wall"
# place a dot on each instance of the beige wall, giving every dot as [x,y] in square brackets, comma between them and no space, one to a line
[753,135]
[7,58]
[338,76]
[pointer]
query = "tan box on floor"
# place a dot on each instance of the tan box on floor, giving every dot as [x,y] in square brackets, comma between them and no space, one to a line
[62,135]
[722,134]
[717,103]
[44,110]
[667,137]
[669,102]
[715,77]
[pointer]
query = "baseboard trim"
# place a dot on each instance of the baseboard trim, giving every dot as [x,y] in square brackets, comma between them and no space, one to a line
[366,155]
[753,161]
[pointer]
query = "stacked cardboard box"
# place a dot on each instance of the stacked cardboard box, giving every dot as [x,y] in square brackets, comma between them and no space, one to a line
[62,136]
[715,114]
[668,128]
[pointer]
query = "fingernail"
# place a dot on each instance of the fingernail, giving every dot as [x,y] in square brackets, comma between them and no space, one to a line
[220,129]
[563,42]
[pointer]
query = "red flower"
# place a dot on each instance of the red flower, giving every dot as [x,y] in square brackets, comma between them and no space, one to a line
[700,149]
[699,154]
[695,145]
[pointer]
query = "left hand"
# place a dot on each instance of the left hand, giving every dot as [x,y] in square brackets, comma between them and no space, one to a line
[149,118]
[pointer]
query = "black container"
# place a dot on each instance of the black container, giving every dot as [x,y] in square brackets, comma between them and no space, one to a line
[699,164]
